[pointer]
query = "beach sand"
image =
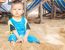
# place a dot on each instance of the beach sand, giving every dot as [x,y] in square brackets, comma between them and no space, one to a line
[51,34]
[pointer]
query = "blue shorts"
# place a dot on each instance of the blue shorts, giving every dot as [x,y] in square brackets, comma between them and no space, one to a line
[30,38]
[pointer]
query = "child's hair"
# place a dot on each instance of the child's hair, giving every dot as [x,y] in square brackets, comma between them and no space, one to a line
[17,1]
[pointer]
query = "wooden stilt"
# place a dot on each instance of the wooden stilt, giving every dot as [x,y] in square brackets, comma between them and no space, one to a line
[25,13]
[41,12]
[54,10]
[52,7]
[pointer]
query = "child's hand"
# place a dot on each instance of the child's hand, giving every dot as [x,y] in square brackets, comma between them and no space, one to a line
[20,40]
[25,39]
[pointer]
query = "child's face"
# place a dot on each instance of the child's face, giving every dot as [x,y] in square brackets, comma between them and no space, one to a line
[17,9]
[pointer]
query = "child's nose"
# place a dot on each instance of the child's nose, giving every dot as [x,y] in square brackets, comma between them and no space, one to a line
[17,11]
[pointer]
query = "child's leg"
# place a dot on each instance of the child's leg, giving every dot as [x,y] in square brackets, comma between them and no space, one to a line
[12,43]
[15,46]
[33,39]
[12,39]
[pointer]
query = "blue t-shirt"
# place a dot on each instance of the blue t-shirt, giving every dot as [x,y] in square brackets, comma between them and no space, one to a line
[21,26]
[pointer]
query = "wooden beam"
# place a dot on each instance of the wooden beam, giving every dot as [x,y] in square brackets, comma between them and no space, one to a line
[41,11]
[1,1]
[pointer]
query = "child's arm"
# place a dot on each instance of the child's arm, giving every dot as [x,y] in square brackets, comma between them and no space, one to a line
[18,37]
[27,33]
[15,32]
[12,28]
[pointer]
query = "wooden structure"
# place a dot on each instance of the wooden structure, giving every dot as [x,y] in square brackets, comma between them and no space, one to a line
[39,18]
[1,1]
[53,14]
[41,11]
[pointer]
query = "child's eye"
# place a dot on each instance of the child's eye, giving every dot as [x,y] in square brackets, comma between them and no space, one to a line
[14,9]
[19,9]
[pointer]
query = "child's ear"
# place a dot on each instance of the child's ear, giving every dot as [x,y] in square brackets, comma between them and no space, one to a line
[23,11]
[11,11]
[11,14]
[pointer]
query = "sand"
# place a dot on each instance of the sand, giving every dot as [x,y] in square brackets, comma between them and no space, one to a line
[51,34]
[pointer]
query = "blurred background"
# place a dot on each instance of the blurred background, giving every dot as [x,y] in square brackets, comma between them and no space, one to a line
[47,22]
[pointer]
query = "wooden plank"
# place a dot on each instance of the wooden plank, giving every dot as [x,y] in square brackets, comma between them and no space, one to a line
[2,1]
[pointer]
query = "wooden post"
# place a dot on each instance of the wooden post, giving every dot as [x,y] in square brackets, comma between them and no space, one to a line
[41,11]
[53,12]
[52,7]
[25,12]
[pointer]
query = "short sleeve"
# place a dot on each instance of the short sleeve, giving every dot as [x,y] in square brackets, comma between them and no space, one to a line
[26,21]
[26,24]
[11,27]
[28,27]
